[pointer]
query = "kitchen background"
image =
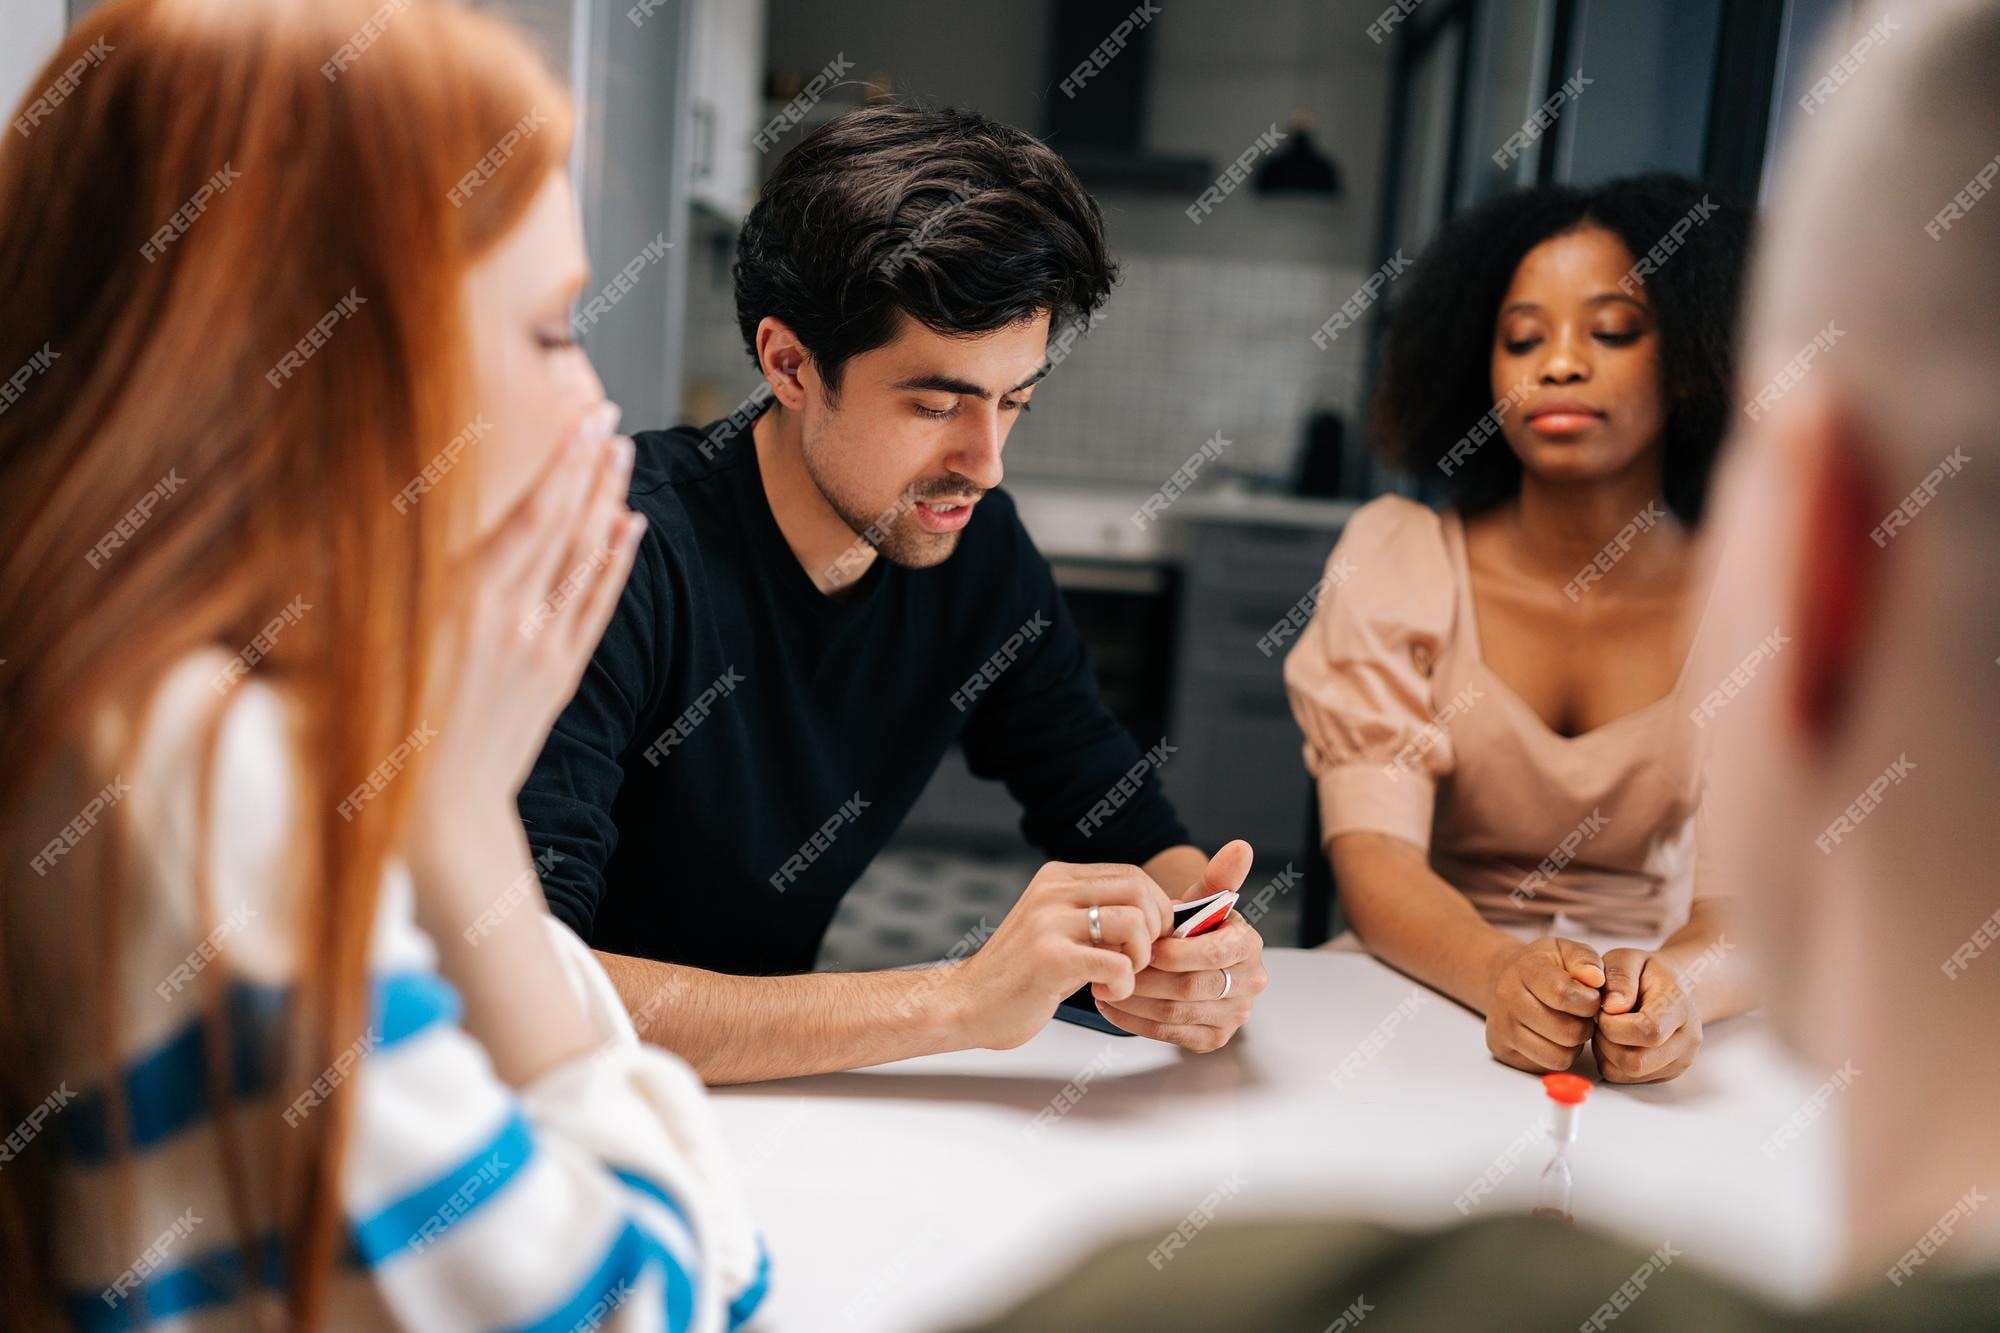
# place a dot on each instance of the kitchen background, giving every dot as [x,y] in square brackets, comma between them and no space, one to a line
[1392,109]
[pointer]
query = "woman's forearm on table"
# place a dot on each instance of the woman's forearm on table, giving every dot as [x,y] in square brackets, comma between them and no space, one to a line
[1410,918]
[1708,958]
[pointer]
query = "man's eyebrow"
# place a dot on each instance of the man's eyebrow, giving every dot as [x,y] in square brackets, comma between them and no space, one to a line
[1040,374]
[953,384]
[943,384]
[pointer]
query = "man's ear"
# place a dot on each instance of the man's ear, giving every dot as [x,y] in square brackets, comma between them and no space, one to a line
[783,358]
[1839,571]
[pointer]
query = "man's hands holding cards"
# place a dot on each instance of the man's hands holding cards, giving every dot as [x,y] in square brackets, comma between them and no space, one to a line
[1113,928]
[1201,979]
[1075,925]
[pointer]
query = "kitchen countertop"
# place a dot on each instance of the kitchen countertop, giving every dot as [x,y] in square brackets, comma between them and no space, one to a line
[1080,520]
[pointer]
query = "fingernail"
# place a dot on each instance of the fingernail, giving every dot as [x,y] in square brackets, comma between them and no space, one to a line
[636,531]
[603,419]
[621,455]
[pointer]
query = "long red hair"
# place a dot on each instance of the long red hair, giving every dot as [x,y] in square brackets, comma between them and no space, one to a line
[330,136]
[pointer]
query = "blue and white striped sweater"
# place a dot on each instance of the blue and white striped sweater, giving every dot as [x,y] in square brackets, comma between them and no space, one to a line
[598,1197]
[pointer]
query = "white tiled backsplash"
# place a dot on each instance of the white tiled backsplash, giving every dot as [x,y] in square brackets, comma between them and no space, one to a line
[1183,349]
[1189,347]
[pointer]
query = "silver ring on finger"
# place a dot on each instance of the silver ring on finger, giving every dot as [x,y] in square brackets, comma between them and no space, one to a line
[1096,926]
[1227,982]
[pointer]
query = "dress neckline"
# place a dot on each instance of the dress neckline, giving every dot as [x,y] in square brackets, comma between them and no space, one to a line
[1468,608]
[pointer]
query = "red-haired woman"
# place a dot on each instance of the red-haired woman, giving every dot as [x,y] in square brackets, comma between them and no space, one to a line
[306,548]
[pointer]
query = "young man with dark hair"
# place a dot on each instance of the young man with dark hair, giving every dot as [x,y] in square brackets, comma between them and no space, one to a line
[832,590]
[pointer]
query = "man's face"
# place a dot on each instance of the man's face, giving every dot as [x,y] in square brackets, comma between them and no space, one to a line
[914,437]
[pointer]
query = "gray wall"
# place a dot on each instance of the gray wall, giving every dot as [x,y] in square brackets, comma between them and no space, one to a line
[629,82]
[1222,73]
[987,56]
[29,33]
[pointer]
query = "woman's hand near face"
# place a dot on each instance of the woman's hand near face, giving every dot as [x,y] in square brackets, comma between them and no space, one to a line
[541,588]
[537,592]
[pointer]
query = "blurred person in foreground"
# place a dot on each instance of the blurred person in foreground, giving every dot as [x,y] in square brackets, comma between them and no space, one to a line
[1865,494]
[290,1037]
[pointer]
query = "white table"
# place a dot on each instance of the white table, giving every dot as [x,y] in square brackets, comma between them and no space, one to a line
[920,1194]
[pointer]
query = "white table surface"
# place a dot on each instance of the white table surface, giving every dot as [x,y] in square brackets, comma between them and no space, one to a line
[916,1195]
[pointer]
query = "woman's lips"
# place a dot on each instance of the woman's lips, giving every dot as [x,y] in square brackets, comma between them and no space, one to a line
[1564,421]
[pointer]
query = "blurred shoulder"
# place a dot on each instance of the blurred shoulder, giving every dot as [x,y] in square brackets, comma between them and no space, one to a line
[252,810]
[1398,531]
[1392,566]
[1510,1273]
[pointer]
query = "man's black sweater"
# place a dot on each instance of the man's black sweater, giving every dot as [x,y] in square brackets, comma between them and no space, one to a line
[742,745]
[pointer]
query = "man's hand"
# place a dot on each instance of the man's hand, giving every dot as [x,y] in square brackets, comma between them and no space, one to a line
[1545,995]
[1179,997]
[1649,1028]
[1042,951]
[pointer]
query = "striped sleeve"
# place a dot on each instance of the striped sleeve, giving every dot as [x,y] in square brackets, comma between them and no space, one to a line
[599,1196]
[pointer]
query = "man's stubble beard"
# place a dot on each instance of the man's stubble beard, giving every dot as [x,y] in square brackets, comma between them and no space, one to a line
[892,529]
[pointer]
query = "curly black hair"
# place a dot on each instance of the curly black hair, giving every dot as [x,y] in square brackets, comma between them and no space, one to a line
[1436,380]
[962,223]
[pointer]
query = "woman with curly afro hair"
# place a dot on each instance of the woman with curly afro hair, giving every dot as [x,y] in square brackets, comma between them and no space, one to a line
[1494,696]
